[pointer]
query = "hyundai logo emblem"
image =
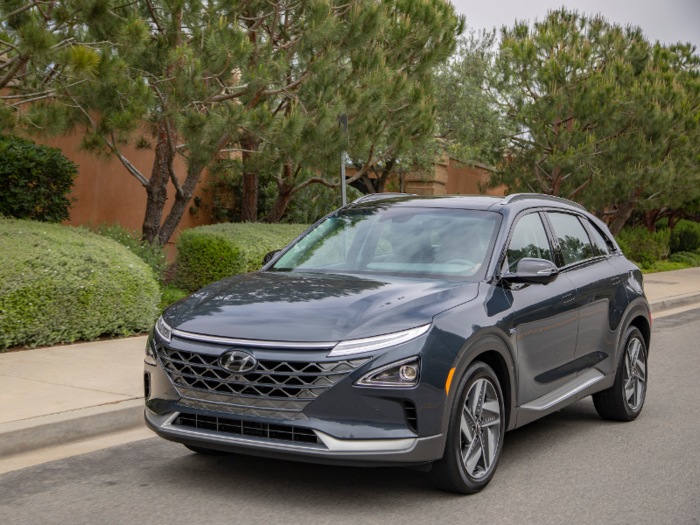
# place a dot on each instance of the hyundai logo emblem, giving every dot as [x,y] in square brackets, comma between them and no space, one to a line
[238,362]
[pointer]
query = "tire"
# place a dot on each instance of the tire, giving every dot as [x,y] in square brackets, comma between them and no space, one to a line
[207,451]
[624,400]
[452,473]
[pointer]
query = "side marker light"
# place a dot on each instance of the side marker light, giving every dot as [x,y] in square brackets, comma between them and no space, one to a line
[449,381]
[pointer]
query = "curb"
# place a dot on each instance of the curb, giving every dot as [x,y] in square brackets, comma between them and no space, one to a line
[674,302]
[67,427]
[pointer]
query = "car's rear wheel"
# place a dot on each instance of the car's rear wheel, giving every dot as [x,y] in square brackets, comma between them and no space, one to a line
[625,399]
[207,451]
[475,433]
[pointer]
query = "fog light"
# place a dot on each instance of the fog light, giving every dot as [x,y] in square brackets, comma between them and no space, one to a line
[408,373]
[401,374]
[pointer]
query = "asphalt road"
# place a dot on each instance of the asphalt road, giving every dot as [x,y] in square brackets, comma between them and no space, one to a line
[571,467]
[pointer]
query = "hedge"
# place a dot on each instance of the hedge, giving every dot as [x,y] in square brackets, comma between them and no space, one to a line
[209,253]
[685,237]
[62,284]
[35,180]
[642,247]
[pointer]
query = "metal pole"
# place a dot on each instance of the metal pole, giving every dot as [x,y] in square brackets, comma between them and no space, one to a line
[343,123]
[342,177]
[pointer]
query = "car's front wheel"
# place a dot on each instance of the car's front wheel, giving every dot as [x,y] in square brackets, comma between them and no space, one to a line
[475,433]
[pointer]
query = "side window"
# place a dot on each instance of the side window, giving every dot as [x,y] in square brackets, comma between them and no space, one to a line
[600,244]
[573,239]
[529,240]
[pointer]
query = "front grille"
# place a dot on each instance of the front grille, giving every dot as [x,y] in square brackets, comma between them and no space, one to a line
[280,389]
[247,428]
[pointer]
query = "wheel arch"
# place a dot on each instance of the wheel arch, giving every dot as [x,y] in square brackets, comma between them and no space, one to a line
[492,348]
[642,323]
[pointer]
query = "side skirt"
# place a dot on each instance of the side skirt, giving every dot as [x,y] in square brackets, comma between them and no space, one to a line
[587,383]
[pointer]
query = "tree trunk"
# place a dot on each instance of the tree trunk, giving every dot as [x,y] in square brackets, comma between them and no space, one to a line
[194,173]
[157,188]
[284,195]
[624,212]
[249,194]
[650,218]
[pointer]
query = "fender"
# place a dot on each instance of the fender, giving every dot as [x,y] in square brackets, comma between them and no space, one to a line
[638,307]
[488,339]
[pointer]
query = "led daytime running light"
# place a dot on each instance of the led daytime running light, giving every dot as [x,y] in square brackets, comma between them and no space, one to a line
[370,344]
[163,329]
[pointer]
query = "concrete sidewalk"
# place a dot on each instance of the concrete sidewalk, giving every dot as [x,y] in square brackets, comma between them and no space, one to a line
[52,396]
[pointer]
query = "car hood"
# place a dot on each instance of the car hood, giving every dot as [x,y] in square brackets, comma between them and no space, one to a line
[314,307]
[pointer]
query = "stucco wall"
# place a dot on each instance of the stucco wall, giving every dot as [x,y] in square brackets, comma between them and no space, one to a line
[107,192]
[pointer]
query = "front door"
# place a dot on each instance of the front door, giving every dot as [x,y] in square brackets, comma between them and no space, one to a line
[544,322]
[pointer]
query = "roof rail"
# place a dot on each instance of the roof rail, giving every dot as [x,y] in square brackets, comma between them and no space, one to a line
[523,196]
[374,196]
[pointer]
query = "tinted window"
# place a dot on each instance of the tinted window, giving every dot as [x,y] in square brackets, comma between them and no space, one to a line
[573,239]
[430,242]
[529,240]
[600,243]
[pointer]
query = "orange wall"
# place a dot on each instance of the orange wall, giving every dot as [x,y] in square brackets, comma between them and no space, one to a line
[107,192]
[465,180]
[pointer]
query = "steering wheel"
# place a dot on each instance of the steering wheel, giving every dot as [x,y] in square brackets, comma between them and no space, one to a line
[462,261]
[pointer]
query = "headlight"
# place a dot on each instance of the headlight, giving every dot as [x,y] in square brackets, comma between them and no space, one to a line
[360,346]
[150,353]
[163,329]
[401,374]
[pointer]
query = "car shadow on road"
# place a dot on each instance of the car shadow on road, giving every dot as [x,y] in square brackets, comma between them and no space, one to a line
[280,480]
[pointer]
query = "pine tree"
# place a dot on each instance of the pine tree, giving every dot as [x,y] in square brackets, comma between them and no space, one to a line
[604,117]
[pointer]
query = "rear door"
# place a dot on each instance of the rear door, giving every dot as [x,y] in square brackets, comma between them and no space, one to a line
[544,316]
[596,281]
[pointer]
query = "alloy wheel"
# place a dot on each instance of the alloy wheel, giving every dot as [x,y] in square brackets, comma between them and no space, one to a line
[635,374]
[480,428]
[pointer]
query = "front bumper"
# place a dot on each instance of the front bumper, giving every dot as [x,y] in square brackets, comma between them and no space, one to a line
[330,450]
[338,422]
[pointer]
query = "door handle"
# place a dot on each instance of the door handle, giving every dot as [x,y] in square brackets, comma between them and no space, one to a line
[568,298]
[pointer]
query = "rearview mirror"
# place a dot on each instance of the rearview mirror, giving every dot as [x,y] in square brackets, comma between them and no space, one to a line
[268,256]
[533,271]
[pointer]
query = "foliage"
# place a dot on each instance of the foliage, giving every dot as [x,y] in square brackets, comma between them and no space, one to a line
[642,247]
[62,284]
[40,40]
[470,125]
[169,294]
[314,202]
[692,259]
[604,117]
[306,206]
[34,180]
[664,266]
[151,254]
[208,253]
[685,237]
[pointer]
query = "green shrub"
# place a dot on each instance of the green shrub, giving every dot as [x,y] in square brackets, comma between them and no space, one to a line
[643,247]
[209,253]
[62,284]
[170,294]
[34,180]
[151,254]
[685,237]
[688,258]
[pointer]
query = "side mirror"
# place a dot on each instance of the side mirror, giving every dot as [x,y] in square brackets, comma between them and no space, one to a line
[533,271]
[268,256]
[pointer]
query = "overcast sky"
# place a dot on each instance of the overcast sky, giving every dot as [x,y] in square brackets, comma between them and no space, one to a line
[669,21]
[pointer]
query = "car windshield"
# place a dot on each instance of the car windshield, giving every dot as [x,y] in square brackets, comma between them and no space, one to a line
[423,242]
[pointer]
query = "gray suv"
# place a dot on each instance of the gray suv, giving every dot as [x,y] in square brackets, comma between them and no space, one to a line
[406,331]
